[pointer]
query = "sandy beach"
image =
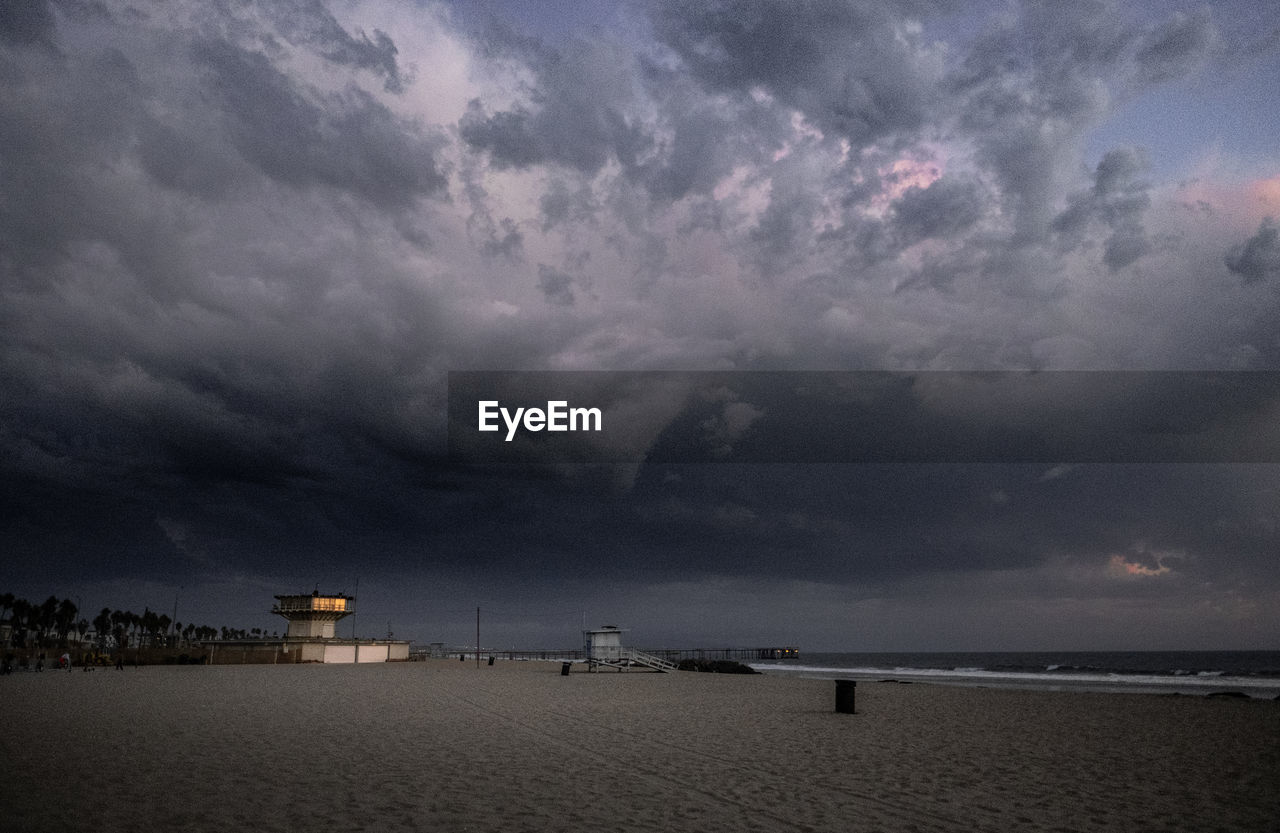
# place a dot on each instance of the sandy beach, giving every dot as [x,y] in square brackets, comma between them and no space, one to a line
[445,746]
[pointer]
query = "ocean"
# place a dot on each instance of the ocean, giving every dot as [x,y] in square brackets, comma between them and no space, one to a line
[1253,673]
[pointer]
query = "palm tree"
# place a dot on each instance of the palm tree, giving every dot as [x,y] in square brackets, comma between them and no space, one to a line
[135,626]
[21,621]
[120,628]
[64,618]
[102,624]
[6,603]
[162,626]
[48,618]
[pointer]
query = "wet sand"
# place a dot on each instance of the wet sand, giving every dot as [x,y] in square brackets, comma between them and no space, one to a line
[444,746]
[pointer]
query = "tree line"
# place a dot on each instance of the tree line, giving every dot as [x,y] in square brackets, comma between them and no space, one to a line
[52,623]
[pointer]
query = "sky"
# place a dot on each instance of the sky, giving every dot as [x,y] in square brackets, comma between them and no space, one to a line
[243,245]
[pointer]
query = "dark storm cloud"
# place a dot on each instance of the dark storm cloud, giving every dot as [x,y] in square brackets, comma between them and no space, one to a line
[198,358]
[1182,43]
[1118,200]
[697,159]
[94,104]
[1258,258]
[877,525]
[557,286]
[1033,83]
[507,136]
[27,23]
[185,159]
[580,119]
[347,141]
[785,228]
[851,68]
[701,134]
[310,22]
[1115,175]
[561,203]
[60,120]
[511,243]
[943,209]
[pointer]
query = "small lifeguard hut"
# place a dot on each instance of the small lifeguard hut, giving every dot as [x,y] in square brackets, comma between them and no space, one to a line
[314,615]
[603,646]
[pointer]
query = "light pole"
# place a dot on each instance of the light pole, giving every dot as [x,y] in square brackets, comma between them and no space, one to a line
[174,622]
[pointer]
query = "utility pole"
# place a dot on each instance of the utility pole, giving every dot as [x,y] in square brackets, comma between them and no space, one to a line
[354,599]
[477,636]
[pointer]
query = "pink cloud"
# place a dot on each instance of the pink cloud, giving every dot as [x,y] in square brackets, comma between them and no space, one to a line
[1120,566]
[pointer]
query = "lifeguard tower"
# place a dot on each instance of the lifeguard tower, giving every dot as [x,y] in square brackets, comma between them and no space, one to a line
[314,616]
[312,637]
[603,647]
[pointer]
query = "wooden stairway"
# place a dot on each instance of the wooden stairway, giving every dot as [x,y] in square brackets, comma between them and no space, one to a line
[628,658]
[649,660]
